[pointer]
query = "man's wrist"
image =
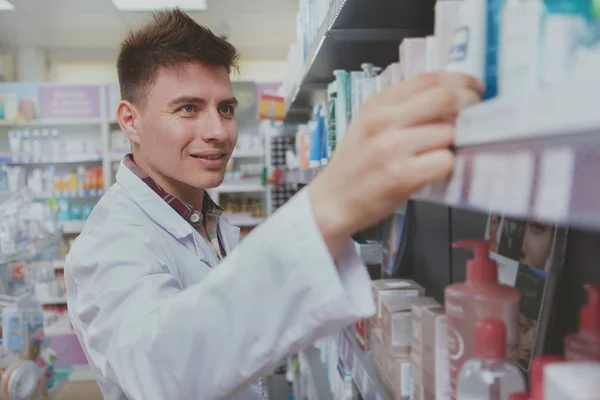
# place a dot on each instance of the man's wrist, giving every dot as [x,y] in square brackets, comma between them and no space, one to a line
[329,213]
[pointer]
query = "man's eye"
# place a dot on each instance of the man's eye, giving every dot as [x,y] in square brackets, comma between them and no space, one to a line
[228,110]
[188,108]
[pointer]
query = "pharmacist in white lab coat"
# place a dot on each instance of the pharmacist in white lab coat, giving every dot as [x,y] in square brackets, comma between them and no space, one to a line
[164,306]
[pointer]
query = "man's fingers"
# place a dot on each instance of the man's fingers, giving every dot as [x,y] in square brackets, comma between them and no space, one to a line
[436,104]
[429,167]
[422,139]
[432,106]
[408,89]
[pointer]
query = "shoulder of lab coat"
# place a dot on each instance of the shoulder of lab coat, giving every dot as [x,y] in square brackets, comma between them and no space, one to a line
[146,334]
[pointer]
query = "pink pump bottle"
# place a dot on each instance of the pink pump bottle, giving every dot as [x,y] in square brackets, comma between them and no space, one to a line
[479,297]
[585,344]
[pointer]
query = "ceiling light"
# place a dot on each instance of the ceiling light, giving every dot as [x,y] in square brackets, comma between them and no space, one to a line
[153,5]
[6,5]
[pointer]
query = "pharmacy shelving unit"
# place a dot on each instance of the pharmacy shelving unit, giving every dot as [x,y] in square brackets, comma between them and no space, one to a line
[355,32]
[534,157]
[250,187]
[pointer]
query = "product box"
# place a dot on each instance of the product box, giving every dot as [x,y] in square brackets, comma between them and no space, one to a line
[385,79]
[413,56]
[392,288]
[397,76]
[370,252]
[419,391]
[446,20]
[435,370]
[376,342]
[401,377]
[397,331]
[432,63]
[395,374]
[361,329]
[417,324]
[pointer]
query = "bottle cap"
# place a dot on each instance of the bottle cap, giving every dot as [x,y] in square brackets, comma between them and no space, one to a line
[480,268]
[536,374]
[589,315]
[519,396]
[490,339]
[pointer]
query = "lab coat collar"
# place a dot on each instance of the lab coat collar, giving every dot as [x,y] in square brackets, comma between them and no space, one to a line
[162,214]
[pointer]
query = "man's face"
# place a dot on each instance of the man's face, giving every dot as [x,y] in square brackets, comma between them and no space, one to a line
[187,128]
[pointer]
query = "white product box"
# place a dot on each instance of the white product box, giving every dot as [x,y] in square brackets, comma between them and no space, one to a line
[413,56]
[446,19]
[397,332]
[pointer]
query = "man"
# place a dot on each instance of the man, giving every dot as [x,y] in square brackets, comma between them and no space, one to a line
[162,305]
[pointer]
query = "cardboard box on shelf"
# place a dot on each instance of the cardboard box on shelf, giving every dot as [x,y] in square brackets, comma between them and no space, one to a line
[401,377]
[377,349]
[397,332]
[435,374]
[392,288]
[417,324]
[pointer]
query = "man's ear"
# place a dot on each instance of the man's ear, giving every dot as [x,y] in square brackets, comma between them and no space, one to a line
[128,118]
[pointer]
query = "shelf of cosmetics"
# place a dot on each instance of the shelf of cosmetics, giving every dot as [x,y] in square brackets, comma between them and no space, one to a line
[519,59]
[48,146]
[238,170]
[27,362]
[238,206]
[30,231]
[420,350]
[52,182]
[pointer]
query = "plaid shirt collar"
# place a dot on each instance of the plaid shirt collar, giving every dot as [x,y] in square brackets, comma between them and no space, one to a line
[210,210]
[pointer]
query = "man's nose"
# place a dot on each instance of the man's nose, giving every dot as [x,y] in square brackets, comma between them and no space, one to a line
[213,127]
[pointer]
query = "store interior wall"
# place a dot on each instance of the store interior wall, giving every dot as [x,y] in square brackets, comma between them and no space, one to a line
[89,67]
[434,264]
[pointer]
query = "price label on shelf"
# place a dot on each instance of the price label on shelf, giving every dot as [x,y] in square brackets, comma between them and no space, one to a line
[512,181]
[453,193]
[482,180]
[554,185]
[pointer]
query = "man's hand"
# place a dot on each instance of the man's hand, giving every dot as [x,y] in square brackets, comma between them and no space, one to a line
[398,142]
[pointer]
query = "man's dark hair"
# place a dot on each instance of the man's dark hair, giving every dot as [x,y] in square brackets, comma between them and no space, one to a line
[171,39]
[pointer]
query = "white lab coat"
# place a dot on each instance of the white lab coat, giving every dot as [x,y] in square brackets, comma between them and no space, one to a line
[158,319]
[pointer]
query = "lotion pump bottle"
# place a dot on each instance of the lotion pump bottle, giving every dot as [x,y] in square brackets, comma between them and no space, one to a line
[489,376]
[481,296]
[585,344]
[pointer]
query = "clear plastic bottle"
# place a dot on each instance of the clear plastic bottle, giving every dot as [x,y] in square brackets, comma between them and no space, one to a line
[55,145]
[45,143]
[489,376]
[26,145]
[36,145]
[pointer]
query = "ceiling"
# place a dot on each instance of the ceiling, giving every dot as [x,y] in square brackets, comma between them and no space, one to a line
[260,29]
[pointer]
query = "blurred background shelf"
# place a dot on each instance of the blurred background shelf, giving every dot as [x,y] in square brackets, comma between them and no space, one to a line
[244,220]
